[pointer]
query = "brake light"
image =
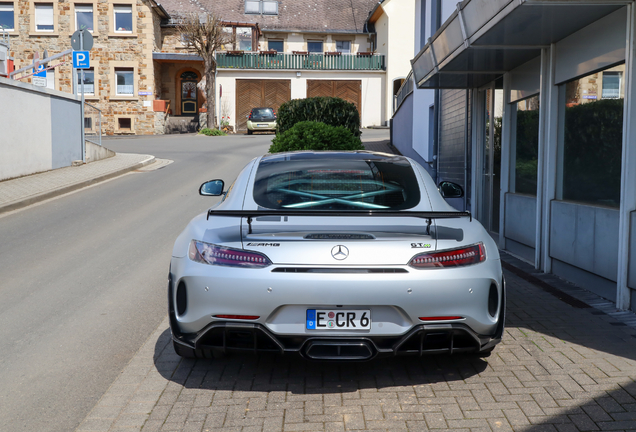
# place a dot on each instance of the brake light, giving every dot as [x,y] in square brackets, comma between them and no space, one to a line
[250,115]
[450,258]
[207,253]
[243,317]
[440,318]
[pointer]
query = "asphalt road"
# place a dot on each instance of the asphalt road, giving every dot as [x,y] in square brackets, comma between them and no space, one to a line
[83,277]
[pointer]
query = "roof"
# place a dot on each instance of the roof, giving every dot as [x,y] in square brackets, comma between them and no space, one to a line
[324,16]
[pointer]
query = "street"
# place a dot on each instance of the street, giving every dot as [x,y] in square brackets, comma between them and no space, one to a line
[85,344]
[84,276]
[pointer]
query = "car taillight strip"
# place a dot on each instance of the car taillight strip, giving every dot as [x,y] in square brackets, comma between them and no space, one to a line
[450,258]
[440,318]
[207,253]
[243,317]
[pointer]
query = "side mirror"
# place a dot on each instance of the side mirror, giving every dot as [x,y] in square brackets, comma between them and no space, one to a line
[212,188]
[450,190]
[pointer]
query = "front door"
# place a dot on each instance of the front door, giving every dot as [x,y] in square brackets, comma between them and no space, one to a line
[188,93]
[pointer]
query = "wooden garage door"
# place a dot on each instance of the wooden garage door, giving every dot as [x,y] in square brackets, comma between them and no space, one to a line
[259,93]
[349,90]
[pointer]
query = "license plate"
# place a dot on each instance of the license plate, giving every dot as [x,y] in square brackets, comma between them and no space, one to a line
[261,125]
[338,319]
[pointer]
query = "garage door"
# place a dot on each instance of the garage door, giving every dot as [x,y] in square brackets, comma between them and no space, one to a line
[259,93]
[349,90]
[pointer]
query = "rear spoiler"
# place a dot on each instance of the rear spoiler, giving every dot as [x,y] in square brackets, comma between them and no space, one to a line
[428,215]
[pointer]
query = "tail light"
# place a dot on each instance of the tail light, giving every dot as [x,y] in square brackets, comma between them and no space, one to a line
[450,258]
[440,318]
[250,118]
[207,253]
[241,317]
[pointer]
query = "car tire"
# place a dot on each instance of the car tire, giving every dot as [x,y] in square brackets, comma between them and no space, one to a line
[249,132]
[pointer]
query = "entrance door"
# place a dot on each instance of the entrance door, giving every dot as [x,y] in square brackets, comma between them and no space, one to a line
[188,93]
[491,158]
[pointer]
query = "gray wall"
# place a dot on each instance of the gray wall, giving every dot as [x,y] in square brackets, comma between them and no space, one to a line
[586,237]
[521,218]
[631,280]
[41,129]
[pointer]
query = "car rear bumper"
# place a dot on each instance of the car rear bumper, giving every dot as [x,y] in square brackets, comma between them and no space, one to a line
[421,340]
[262,125]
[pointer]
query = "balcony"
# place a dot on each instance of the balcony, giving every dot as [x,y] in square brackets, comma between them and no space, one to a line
[310,61]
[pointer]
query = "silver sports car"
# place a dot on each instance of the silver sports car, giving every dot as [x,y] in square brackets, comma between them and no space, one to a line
[335,256]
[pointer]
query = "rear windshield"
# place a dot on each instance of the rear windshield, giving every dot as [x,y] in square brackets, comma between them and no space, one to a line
[262,112]
[336,184]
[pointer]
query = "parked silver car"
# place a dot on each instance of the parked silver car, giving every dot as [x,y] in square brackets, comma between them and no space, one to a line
[335,256]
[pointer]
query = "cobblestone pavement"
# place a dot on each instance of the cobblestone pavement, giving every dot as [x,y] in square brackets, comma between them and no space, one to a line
[559,368]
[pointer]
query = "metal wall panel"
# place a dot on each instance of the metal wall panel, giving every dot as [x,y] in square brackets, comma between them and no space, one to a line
[525,81]
[66,132]
[631,280]
[595,47]
[585,237]
[521,218]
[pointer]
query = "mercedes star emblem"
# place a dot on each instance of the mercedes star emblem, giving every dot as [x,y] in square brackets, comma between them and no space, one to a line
[339,252]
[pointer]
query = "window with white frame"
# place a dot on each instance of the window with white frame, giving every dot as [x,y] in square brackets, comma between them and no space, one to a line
[125,78]
[612,84]
[84,17]
[343,46]
[261,7]
[44,17]
[7,17]
[123,18]
[89,81]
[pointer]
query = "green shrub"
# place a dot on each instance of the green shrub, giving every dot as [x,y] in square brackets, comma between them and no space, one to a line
[309,135]
[212,132]
[329,110]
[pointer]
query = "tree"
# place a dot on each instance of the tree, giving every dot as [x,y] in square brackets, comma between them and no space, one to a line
[204,34]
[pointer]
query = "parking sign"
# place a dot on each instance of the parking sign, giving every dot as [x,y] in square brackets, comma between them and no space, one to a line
[81,60]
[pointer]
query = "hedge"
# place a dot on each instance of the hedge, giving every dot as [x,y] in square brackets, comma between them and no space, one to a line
[310,135]
[329,110]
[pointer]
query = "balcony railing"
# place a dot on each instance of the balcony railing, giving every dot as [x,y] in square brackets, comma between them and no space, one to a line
[245,60]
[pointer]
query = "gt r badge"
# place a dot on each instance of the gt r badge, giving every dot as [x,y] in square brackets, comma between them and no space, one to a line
[340,252]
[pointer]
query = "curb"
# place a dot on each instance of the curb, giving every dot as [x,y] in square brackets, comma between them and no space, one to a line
[72,187]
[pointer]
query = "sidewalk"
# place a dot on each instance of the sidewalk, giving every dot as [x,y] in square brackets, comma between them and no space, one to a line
[27,190]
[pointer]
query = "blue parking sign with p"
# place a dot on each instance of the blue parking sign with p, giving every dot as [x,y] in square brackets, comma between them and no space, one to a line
[40,72]
[81,60]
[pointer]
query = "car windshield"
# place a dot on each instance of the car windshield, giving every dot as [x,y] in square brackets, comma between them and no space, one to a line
[262,112]
[355,181]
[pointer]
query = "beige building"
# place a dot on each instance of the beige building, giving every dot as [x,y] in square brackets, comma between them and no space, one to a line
[144,80]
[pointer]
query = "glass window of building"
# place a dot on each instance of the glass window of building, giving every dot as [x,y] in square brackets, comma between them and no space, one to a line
[125,82]
[527,145]
[84,17]
[591,137]
[612,85]
[44,17]
[277,45]
[314,46]
[123,18]
[89,81]
[244,38]
[6,16]
[343,46]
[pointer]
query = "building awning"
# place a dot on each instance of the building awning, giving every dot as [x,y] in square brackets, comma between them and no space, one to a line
[483,39]
[175,57]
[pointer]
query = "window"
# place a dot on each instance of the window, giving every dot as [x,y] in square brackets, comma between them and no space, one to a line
[343,46]
[316,182]
[84,17]
[124,123]
[50,79]
[263,7]
[125,82]
[44,17]
[7,16]
[123,18]
[526,130]
[89,81]
[314,46]
[244,38]
[277,45]
[591,142]
[612,85]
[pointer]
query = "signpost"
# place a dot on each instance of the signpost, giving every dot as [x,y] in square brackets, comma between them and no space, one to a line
[39,77]
[82,42]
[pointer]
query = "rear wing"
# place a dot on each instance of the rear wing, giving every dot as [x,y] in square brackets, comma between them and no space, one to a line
[428,215]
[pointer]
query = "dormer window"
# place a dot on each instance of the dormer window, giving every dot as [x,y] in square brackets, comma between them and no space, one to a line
[261,7]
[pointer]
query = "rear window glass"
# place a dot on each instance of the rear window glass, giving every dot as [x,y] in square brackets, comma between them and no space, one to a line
[262,111]
[336,184]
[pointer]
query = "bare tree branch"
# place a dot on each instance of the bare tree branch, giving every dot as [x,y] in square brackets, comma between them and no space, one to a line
[204,35]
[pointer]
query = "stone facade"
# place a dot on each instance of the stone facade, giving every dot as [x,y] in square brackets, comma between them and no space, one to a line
[113,51]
